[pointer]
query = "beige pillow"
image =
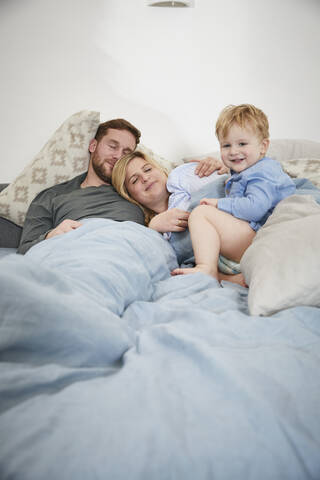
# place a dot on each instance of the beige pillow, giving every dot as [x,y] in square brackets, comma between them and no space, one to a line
[166,164]
[282,265]
[285,149]
[64,156]
[303,168]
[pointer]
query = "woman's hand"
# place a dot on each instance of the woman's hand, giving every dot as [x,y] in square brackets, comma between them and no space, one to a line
[209,165]
[173,220]
[213,202]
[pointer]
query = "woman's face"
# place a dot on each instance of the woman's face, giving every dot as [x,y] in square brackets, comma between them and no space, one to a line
[147,184]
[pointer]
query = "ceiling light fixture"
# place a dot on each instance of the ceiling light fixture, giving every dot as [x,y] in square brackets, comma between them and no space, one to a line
[163,3]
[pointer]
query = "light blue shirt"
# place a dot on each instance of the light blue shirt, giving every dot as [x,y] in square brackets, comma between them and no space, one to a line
[183,182]
[252,194]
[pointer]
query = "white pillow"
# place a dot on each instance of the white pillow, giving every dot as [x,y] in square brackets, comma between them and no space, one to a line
[160,160]
[282,265]
[284,149]
[64,156]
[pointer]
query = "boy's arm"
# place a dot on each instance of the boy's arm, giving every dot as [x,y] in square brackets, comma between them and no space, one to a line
[258,198]
[38,222]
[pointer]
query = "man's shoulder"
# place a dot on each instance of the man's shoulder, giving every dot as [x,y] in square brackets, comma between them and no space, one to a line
[62,187]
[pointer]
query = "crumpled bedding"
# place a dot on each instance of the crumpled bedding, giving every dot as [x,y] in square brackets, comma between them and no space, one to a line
[113,369]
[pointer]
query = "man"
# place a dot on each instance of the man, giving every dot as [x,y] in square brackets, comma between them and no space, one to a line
[59,209]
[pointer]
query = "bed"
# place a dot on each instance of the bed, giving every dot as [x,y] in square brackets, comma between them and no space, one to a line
[113,369]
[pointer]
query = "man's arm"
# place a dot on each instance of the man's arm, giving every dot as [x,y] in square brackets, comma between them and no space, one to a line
[38,222]
[206,166]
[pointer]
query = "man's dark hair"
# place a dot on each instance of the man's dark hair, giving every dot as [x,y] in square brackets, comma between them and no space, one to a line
[117,124]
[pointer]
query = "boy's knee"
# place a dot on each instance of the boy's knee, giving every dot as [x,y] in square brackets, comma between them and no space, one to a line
[198,211]
[203,211]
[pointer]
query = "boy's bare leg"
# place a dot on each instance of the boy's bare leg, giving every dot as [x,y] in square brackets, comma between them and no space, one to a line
[205,242]
[212,232]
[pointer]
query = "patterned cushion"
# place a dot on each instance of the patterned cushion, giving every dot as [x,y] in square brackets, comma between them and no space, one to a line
[304,168]
[64,156]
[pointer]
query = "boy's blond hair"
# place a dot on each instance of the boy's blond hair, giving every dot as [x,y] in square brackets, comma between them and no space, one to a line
[119,177]
[244,116]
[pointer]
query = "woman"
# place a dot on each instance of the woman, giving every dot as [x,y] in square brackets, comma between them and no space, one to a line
[144,182]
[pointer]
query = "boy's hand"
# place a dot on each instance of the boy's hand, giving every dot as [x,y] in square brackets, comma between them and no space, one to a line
[213,202]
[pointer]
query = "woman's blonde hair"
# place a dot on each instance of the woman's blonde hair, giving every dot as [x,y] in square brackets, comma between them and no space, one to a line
[242,115]
[119,178]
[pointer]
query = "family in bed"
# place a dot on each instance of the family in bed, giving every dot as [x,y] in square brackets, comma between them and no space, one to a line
[124,184]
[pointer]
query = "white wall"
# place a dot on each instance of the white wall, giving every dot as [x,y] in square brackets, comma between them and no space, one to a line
[169,71]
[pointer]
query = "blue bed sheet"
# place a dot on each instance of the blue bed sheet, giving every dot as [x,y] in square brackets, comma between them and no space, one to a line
[113,369]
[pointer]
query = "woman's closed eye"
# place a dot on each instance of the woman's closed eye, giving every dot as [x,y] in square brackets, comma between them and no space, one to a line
[133,179]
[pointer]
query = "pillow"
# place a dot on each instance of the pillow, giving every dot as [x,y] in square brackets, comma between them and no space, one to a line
[64,156]
[216,154]
[304,168]
[285,149]
[166,164]
[282,264]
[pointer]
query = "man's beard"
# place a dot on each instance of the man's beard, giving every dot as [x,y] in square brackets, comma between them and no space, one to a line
[98,167]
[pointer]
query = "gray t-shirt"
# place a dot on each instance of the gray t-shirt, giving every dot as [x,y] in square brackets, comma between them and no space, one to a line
[68,200]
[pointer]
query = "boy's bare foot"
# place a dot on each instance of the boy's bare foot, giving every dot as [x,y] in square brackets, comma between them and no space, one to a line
[196,269]
[238,278]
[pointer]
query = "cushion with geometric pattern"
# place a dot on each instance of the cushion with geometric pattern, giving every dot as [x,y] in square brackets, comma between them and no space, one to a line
[63,157]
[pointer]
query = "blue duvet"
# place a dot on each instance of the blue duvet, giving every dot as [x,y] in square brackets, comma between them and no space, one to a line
[111,369]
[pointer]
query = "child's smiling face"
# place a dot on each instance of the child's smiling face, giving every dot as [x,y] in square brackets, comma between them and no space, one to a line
[241,148]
